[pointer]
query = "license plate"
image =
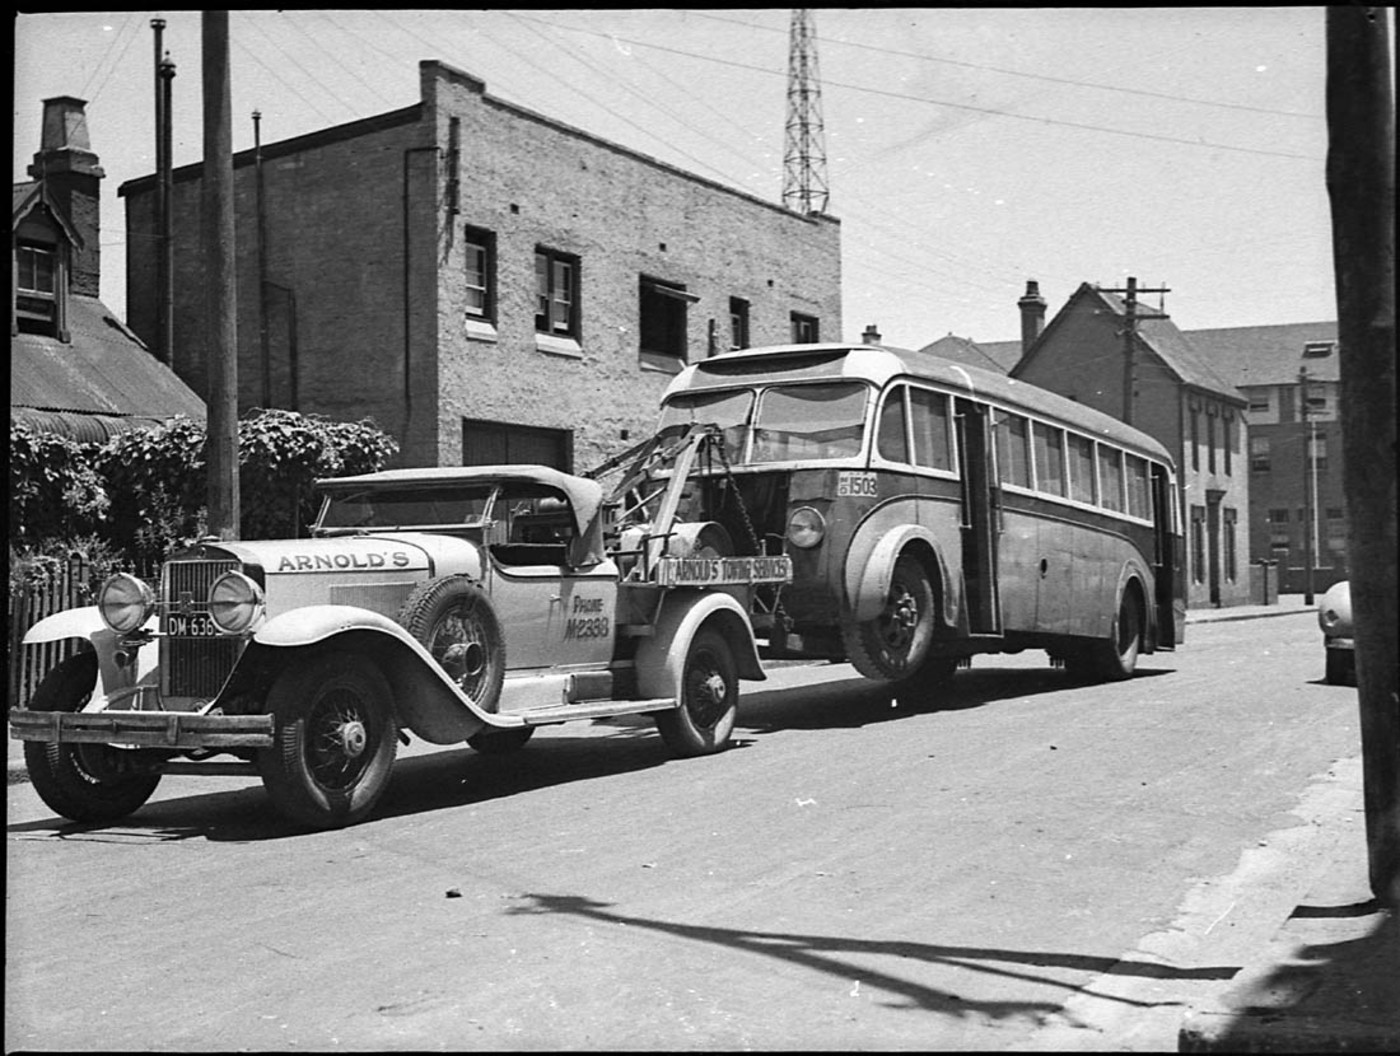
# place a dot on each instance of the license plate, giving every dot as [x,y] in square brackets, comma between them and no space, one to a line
[190,625]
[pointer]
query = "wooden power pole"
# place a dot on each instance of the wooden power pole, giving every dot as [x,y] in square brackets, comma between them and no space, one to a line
[1133,314]
[1361,186]
[220,297]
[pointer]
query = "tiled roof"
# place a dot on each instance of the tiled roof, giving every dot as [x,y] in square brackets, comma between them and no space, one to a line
[104,370]
[1267,355]
[1000,356]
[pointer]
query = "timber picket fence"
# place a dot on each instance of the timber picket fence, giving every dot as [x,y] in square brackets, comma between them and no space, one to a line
[28,664]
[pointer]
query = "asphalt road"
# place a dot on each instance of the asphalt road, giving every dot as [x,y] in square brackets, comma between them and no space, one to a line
[1038,863]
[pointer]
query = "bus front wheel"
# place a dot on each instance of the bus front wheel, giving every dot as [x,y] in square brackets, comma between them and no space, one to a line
[892,646]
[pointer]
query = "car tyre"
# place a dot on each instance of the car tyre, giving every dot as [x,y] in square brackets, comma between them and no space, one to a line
[335,739]
[703,721]
[452,619]
[82,782]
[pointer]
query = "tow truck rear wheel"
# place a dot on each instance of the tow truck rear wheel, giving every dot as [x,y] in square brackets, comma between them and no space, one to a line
[704,720]
[83,782]
[335,740]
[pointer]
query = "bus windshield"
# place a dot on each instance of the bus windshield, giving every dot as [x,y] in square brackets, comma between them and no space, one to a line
[803,422]
[728,410]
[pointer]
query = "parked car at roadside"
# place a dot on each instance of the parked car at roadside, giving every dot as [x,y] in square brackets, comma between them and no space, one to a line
[1338,643]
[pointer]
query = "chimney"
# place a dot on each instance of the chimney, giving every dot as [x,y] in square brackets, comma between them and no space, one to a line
[69,171]
[871,336]
[1032,307]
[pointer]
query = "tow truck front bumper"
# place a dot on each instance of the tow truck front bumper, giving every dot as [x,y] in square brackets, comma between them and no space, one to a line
[172,730]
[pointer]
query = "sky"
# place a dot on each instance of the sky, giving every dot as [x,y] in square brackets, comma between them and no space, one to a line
[968,150]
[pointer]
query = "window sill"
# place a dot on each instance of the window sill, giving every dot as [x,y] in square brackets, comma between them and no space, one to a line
[480,330]
[558,346]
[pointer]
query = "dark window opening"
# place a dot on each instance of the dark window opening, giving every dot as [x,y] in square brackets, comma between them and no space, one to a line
[663,308]
[738,323]
[480,277]
[502,443]
[36,289]
[805,330]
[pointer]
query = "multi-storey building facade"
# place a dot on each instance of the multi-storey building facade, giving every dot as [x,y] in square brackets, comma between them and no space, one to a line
[487,284]
[1290,375]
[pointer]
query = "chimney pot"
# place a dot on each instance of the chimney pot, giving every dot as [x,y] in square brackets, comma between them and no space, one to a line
[871,336]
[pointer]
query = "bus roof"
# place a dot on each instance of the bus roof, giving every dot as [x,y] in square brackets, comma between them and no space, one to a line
[878,364]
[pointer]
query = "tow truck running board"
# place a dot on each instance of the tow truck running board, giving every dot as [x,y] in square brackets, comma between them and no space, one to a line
[146,729]
[592,709]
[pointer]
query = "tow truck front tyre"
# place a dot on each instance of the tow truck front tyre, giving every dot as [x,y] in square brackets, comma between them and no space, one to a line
[83,782]
[703,721]
[335,739]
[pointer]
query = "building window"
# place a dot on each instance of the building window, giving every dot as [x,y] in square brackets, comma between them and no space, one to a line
[738,323]
[1259,402]
[1259,454]
[487,443]
[1318,349]
[1195,439]
[480,276]
[1229,435]
[36,289]
[1210,440]
[805,330]
[556,288]
[663,308]
[1317,452]
[1229,516]
[1198,544]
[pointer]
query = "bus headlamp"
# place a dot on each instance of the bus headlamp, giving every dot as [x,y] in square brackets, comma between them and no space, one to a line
[806,528]
[235,603]
[125,603]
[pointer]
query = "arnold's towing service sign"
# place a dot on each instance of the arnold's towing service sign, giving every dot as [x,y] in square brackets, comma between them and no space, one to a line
[722,571]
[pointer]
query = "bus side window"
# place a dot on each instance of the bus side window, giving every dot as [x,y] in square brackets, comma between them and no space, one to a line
[1081,468]
[893,441]
[929,411]
[1111,478]
[1049,459]
[1012,450]
[1139,499]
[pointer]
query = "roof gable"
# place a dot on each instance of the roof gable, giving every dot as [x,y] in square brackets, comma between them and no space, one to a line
[30,196]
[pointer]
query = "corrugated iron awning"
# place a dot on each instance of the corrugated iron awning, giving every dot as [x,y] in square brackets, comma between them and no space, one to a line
[84,428]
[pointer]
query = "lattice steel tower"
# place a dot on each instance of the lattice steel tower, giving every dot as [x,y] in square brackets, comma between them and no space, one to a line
[804,155]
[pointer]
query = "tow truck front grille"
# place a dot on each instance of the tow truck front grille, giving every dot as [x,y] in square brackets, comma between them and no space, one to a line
[193,664]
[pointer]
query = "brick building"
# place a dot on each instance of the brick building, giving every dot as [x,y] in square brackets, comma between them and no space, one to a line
[75,369]
[1281,370]
[484,282]
[1179,398]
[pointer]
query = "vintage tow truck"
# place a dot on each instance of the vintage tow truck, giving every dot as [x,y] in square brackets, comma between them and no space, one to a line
[469,604]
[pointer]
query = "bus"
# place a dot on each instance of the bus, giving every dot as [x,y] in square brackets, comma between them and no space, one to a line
[933,511]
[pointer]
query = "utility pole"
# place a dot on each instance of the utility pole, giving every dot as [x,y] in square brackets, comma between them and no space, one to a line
[265,344]
[165,73]
[220,298]
[1133,315]
[1361,189]
[804,154]
[1309,483]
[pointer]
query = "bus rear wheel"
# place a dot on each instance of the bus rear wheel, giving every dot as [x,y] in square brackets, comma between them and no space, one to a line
[1115,657]
[893,645]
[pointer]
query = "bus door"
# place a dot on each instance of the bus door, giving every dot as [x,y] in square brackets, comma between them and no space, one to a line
[979,517]
[1169,566]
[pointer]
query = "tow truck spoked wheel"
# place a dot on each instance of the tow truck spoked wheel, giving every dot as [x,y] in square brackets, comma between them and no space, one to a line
[892,645]
[452,618]
[335,740]
[704,720]
[82,782]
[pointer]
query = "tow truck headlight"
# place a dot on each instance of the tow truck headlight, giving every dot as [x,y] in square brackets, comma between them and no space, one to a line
[806,527]
[235,602]
[125,603]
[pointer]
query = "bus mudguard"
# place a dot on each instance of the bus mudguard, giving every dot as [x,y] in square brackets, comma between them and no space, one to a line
[661,656]
[868,581]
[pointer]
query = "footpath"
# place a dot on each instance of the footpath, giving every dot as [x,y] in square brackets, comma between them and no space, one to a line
[1328,980]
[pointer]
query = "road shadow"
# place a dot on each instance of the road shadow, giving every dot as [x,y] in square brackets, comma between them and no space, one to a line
[851,703]
[1340,996]
[436,780]
[847,958]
